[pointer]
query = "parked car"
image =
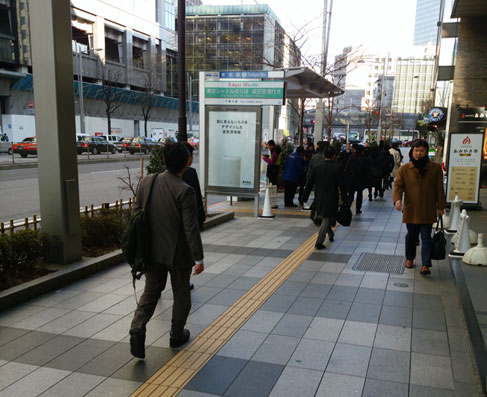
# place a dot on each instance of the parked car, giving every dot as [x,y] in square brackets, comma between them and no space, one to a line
[5,146]
[142,144]
[96,145]
[116,140]
[125,143]
[26,147]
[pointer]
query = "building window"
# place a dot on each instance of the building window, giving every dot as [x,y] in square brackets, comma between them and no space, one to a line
[170,15]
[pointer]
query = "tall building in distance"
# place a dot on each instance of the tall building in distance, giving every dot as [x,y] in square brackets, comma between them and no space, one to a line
[425,24]
[240,37]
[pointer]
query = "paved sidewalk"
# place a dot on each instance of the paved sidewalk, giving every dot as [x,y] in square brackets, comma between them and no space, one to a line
[327,331]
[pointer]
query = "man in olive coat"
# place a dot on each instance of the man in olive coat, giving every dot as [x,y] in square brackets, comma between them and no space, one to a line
[421,183]
[176,248]
[326,178]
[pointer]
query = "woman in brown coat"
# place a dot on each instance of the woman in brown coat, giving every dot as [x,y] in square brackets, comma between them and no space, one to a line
[421,182]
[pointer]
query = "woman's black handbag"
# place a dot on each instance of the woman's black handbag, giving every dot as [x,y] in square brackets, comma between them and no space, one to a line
[438,242]
[344,215]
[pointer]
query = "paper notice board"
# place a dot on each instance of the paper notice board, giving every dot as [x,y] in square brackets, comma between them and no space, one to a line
[464,164]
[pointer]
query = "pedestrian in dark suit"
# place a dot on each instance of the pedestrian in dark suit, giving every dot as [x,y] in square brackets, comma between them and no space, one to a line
[191,178]
[175,248]
[292,171]
[326,178]
[355,177]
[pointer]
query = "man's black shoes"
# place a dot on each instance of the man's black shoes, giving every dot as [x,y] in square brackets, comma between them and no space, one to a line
[191,286]
[137,345]
[181,340]
[319,246]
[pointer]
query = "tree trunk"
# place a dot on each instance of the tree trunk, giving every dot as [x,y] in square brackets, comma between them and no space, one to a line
[109,123]
[145,126]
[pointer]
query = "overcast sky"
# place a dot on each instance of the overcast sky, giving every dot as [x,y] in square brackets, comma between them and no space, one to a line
[379,26]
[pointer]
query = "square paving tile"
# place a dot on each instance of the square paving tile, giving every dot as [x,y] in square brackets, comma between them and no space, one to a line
[398,298]
[380,388]
[204,294]
[206,314]
[358,333]
[278,303]
[349,280]
[349,360]
[429,319]
[305,306]
[430,342]
[263,377]
[93,325]
[227,297]
[262,321]
[34,383]
[312,354]
[337,385]
[297,382]
[374,282]
[364,312]
[389,365]
[397,316]
[466,389]
[114,387]
[342,293]
[291,288]
[23,344]
[391,337]
[49,350]
[424,391]
[327,329]
[327,278]
[109,361]
[244,283]
[11,372]
[316,291]
[80,354]
[39,319]
[370,296]
[462,368]
[276,349]
[334,309]
[140,370]
[8,334]
[217,375]
[432,371]
[428,302]
[74,385]
[243,344]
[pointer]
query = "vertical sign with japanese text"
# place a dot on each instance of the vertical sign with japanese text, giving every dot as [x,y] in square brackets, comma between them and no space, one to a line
[233,138]
[465,156]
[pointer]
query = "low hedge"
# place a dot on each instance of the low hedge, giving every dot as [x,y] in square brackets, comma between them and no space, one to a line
[25,253]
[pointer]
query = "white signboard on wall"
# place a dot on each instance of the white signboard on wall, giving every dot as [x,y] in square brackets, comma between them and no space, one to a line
[233,150]
[465,156]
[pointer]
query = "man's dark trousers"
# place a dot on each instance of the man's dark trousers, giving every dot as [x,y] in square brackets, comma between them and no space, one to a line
[155,282]
[412,236]
[289,192]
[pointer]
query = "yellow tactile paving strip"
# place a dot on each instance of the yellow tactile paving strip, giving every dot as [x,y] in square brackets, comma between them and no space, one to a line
[174,376]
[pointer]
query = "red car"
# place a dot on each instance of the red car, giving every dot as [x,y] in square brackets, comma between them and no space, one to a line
[26,147]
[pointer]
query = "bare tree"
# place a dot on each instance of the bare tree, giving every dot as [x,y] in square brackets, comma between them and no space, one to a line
[152,85]
[110,80]
[129,183]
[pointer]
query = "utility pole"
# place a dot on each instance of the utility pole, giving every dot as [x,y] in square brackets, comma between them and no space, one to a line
[190,99]
[325,35]
[182,133]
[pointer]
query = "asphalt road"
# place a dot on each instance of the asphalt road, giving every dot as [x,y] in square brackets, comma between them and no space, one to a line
[98,183]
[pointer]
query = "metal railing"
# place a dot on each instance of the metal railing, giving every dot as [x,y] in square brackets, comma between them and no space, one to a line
[34,221]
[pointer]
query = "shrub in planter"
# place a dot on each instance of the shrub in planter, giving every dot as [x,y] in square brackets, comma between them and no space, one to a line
[22,256]
[103,231]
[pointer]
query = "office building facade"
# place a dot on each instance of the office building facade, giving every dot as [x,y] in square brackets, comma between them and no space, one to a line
[425,23]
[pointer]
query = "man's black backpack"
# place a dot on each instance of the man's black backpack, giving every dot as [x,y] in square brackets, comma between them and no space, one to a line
[135,242]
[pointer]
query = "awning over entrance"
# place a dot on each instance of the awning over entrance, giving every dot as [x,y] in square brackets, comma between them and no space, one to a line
[469,8]
[304,83]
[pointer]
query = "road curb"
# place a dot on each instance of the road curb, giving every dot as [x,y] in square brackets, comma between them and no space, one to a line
[68,274]
[17,166]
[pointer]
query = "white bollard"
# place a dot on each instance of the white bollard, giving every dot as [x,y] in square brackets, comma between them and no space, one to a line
[463,244]
[267,211]
[446,222]
[476,255]
[472,235]
[455,215]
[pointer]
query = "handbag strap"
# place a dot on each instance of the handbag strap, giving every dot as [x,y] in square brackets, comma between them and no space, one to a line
[440,221]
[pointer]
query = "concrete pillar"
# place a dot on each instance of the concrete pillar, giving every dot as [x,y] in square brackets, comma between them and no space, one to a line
[52,64]
[128,55]
[99,38]
[318,132]
[470,78]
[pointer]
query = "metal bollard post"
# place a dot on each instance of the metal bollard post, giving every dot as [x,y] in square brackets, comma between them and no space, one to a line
[11,226]
[34,221]
[26,223]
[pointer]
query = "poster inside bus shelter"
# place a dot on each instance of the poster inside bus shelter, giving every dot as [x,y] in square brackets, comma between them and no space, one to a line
[233,149]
